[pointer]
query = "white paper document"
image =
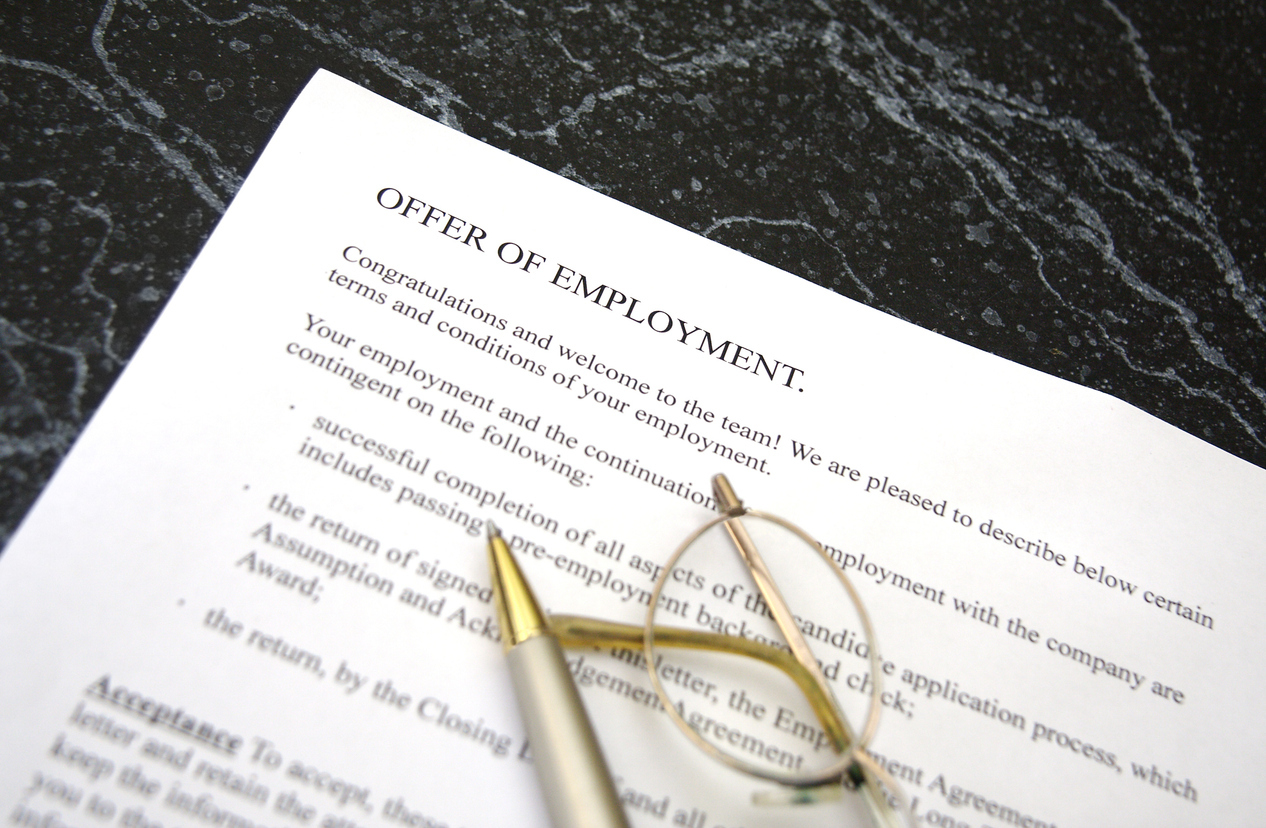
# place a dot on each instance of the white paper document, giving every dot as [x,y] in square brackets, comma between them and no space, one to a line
[256,594]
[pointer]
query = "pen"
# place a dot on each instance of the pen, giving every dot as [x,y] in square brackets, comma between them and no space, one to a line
[573,774]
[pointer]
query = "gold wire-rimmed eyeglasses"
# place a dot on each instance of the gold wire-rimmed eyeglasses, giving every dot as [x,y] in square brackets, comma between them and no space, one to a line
[744,716]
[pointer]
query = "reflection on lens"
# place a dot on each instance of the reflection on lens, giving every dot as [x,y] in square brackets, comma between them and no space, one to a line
[733,680]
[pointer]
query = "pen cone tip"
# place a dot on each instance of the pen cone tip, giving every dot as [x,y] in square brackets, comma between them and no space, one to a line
[518,613]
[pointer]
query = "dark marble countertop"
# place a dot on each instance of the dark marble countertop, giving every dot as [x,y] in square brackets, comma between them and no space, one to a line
[1076,186]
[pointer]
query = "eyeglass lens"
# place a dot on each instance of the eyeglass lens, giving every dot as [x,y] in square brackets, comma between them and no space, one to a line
[738,687]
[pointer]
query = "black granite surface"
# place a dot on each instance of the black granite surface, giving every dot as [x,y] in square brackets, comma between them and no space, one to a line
[1076,186]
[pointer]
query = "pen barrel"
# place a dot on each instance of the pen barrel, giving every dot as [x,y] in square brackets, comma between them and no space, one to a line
[574,776]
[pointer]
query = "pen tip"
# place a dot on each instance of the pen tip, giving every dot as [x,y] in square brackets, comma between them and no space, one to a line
[493,531]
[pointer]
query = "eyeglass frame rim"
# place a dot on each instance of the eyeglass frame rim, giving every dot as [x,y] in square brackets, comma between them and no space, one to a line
[832,773]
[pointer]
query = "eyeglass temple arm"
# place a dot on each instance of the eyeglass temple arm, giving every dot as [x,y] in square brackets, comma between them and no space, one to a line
[580,631]
[728,503]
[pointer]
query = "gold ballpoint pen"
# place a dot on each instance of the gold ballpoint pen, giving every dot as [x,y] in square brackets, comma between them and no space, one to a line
[573,774]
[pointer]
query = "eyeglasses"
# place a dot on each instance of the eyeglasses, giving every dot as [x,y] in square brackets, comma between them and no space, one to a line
[750,682]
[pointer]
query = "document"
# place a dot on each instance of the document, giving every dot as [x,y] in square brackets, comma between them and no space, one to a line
[256,594]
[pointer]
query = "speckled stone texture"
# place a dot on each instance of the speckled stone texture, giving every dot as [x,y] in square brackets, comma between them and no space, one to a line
[1076,186]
